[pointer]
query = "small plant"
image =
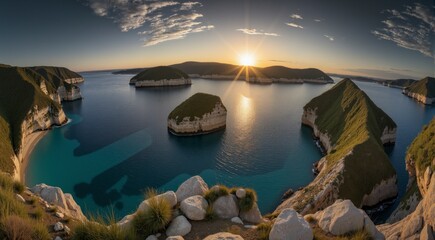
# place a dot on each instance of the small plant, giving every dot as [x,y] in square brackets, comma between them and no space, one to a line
[209,213]
[272,216]
[359,235]
[263,230]
[154,219]
[37,214]
[246,203]
[6,182]
[15,227]
[310,218]
[18,187]
[52,209]
[10,206]
[66,219]
[215,192]
[32,200]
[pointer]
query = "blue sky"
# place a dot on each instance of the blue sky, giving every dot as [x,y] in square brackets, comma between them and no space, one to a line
[386,39]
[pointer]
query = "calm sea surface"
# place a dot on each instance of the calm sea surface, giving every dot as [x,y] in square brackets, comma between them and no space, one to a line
[117,144]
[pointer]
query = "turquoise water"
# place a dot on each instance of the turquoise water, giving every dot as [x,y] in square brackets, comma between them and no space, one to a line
[117,144]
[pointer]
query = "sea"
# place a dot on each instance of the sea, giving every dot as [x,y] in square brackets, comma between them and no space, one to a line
[116,146]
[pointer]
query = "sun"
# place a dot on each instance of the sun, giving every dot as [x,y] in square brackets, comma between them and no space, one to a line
[247,59]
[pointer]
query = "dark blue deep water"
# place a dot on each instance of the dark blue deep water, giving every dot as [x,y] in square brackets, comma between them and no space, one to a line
[117,144]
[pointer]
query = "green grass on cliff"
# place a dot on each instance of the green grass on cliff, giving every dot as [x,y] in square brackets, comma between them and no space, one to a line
[354,124]
[159,73]
[425,87]
[19,93]
[422,149]
[195,106]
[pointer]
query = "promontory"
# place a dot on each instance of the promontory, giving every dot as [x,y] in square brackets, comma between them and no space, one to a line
[162,76]
[422,90]
[200,114]
[353,130]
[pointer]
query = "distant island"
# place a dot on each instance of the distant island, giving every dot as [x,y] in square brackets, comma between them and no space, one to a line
[162,76]
[398,83]
[267,75]
[422,90]
[200,114]
[352,129]
[30,101]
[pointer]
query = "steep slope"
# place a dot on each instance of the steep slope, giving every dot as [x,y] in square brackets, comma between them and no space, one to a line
[353,130]
[422,90]
[28,102]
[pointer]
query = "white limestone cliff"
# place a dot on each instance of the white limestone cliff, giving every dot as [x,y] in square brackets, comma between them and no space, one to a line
[163,82]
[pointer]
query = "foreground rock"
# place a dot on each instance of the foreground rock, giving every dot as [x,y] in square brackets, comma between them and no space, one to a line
[162,76]
[194,207]
[55,196]
[180,226]
[200,114]
[226,207]
[191,187]
[343,218]
[168,196]
[223,236]
[356,166]
[252,216]
[290,225]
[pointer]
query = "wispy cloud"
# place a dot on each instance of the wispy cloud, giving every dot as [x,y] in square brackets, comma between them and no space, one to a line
[329,37]
[296,16]
[412,28]
[317,20]
[163,20]
[253,31]
[294,25]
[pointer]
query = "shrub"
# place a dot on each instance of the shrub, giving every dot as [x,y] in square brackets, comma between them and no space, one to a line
[246,203]
[38,213]
[18,187]
[215,192]
[263,230]
[154,219]
[209,213]
[18,228]
[10,206]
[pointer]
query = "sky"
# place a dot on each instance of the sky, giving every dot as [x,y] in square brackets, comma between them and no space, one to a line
[374,38]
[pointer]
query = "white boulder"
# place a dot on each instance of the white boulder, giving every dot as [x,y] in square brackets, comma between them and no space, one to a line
[152,237]
[194,207]
[191,187]
[169,196]
[241,193]
[237,220]
[226,207]
[180,226]
[20,198]
[290,225]
[175,238]
[253,215]
[223,236]
[58,227]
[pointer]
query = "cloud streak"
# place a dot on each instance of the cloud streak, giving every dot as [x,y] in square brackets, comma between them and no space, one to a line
[253,31]
[163,20]
[296,16]
[412,28]
[329,37]
[294,25]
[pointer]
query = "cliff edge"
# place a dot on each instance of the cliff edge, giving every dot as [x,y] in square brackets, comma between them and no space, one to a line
[200,114]
[422,90]
[353,130]
[162,76]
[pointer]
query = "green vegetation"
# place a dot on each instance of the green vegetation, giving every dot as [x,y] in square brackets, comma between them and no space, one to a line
[101,228]
[195,106]
[17,228]
[153,219]
[246,203]
[425,87]
[159,73]
[209,213]
[422,149]
[20,93]
[355,125]
[263,230]
[215,192]
[38,213]
[401,83]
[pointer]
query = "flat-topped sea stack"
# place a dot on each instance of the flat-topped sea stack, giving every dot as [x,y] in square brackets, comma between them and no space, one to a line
[200,114]
[162,76]
[422,91]
[352,129]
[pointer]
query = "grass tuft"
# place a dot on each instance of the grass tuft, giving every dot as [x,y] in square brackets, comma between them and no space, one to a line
[154,219]
[38,213]
[18,228]
[263,230]
[209,213]
[246,203]
[215,192]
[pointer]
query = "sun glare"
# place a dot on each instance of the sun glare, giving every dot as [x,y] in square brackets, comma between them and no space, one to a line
[247,59]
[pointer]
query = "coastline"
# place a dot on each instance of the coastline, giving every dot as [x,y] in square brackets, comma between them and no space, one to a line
[28,146]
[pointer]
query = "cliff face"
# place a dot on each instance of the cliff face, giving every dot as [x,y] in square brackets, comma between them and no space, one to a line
[352,130]
[163,82]
[422,90]
[199,114]
[72,94]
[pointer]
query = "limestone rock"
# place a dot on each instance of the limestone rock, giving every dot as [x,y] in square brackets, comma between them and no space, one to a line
[59,215]
[58,227]
[413,226]
[241,193]
[290,225]
[180,226]
[226,207]
[55,196]
[20,198]
[426,233]
[169,196]
[370,227]
[253,215]
[223,236]
[191,187]
[194,207]
[237,220]
[151,237]
[175,238]
[58,238]
[340,218]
